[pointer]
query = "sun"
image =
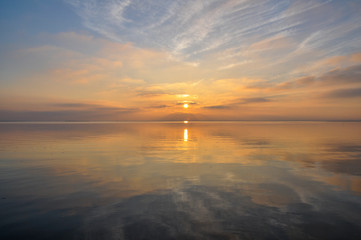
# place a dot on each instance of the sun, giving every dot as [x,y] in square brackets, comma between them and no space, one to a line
[185,105]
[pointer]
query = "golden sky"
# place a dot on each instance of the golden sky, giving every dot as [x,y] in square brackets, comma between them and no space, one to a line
[133,60]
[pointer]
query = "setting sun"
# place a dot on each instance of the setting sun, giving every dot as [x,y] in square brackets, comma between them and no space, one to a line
[180,119]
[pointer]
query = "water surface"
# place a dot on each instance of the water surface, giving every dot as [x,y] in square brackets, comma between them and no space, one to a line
[171,180]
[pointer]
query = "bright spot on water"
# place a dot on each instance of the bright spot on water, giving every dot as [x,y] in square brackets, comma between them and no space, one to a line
[185,135]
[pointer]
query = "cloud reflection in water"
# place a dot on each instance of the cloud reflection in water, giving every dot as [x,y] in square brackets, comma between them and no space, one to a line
[145,181]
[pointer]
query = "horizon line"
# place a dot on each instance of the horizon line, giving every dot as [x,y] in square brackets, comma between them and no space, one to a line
[167,121]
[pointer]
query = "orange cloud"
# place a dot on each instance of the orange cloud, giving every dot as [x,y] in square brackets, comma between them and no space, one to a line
[83,69]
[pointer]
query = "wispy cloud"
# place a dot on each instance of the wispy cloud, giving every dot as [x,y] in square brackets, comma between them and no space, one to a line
[334,78]
[159,106]
[219,107]
[344,93]
[191,28]
[70,112]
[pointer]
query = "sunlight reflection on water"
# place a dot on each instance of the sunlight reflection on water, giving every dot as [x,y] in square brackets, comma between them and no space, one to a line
[210,180]
[185,135]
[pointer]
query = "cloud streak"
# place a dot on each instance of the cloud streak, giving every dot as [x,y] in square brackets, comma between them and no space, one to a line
[229,59]
[190,29]
[344,93]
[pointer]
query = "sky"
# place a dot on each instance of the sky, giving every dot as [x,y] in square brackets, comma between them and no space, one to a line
[115,60]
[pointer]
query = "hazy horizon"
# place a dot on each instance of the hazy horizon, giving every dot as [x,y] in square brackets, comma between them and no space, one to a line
[97,60]
[175,121]
[180,119]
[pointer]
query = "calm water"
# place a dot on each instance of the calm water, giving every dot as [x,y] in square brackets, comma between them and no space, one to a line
[180,181]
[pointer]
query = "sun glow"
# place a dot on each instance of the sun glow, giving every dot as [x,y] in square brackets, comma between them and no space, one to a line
[185,105]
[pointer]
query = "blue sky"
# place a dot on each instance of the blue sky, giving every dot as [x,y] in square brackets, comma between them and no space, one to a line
[217,55]
[191,29]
